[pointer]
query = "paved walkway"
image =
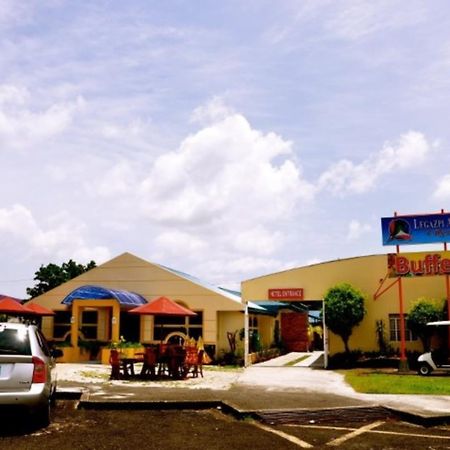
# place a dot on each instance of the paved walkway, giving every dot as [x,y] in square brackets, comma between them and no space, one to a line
[255,388]
[295,359]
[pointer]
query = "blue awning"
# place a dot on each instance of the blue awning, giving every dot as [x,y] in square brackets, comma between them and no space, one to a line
[125,298]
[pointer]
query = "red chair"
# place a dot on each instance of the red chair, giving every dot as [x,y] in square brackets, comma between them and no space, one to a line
[150,361]
[199,366]
[194,361]
[162,359]
[175,363]
[114,360]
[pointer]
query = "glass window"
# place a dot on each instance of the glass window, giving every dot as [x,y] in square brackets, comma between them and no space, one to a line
[394,329]
[61,324]
[89,320]
[191,326]
[14,342]
[42,343]
[253,322]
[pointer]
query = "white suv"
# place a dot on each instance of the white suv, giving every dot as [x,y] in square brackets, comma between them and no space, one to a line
[27,371]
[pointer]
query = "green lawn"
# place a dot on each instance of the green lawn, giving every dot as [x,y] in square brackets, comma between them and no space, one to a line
[383,382]
[296,361]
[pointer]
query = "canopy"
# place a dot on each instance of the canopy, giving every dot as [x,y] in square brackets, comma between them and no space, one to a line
[87,292]
[39,310]
[272,308]
[10,306]
[163,306]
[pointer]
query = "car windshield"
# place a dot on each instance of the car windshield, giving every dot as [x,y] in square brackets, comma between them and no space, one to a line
[14,342]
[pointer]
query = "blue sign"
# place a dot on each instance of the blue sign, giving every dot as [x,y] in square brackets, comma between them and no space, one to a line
[409,230]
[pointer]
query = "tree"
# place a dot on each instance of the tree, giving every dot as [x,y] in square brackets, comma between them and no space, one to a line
[52,275]
[344,309]
[422,312]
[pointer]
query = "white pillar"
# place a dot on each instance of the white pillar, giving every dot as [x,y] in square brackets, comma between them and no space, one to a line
[246,340]
[325,338]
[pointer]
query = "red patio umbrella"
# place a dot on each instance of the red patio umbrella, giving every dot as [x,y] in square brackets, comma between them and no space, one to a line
[9,305]
[163,306]
[39,310]
[12,298]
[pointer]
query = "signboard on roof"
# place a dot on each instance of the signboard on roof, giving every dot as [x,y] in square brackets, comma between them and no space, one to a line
[418,264]
[286,294]
[410,230]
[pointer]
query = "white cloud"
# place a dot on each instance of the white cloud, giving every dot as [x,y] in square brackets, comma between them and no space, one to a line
[257,240]
[357,229]
[62,238]
[13,95]
[358,18]
[227,169]
[442,191]
[172,241]
[12,12]
[20,124]
[345,177]
[118,179]
[213,111]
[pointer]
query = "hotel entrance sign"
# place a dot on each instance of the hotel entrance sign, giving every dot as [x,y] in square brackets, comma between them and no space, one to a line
[286,294]
[408,230]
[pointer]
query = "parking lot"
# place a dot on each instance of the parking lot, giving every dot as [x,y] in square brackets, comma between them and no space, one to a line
[209,429]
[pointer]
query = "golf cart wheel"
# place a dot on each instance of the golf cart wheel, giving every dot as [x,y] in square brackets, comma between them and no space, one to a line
[424,369]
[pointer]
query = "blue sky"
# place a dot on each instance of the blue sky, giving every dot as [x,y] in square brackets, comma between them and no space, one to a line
[224,139]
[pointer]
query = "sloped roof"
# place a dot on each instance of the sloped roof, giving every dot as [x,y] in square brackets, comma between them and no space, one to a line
[232,295]
[125,298]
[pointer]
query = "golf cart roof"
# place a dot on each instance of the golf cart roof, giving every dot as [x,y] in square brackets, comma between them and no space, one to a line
[440,323]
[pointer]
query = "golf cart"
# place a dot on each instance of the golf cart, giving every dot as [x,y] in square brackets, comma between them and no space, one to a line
[435,359]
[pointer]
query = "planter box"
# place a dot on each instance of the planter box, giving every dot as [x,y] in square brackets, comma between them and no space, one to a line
[124,353]
[73,354]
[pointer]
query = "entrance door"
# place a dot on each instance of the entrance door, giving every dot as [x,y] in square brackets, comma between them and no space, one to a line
[294,331]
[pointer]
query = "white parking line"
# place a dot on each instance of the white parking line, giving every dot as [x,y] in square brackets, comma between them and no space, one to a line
[288,437]
[394,433]
[359,431]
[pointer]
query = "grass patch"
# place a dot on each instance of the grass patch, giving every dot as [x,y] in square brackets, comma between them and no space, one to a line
[382,382]
[296,361]
[94,374]
[223,368]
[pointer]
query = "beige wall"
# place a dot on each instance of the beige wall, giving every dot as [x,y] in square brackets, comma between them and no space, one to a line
[364,273]
[128,272]
[232,322]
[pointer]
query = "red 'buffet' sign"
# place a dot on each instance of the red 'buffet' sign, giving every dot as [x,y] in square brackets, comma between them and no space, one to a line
[286,294]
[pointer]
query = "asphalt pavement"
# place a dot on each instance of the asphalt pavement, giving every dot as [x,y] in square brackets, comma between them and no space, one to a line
[255,389]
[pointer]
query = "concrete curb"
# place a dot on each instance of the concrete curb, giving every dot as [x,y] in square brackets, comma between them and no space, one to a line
[278,416]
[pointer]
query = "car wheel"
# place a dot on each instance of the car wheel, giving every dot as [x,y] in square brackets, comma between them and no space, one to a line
[42,416]
[424,369]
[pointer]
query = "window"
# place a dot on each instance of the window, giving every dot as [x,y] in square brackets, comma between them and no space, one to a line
[253,334]
[252,322]
[394,329]
[42,343]
[61,324]
[14,342]
[89,319]
[191,326]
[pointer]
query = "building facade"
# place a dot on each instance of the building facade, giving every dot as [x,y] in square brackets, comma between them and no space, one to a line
[367,273]
[94,306]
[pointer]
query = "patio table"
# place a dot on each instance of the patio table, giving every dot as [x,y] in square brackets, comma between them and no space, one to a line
[127,365]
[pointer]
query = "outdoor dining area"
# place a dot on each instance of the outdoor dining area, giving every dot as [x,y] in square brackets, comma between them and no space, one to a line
[165,360]
[171,360]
